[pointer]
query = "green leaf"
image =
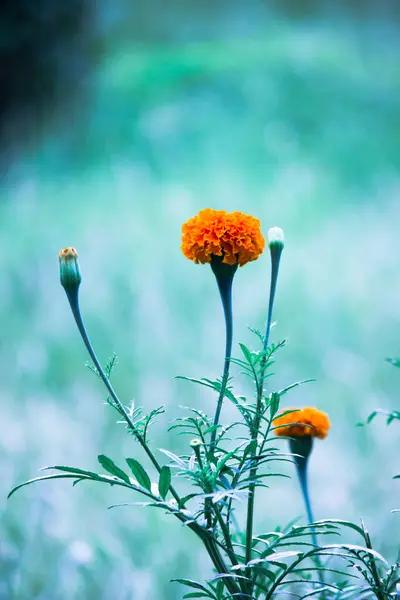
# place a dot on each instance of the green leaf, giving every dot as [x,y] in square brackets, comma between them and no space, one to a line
[349,524]
[178,461]
[354,548]
[186,499]
[73,470]
[139,473]
[294,385]
[43,478]
[274,404]
[112,468]
[192,584]
[246,353]
[197,595]
[164,481]
[277,556]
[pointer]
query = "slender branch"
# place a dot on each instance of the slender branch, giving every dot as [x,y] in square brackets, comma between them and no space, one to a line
[74,303]
[379,593]
[275,260]
[301,448]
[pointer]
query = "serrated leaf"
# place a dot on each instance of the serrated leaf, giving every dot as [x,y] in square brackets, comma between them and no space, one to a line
[164,481]
[139,473]
[112,468]
[43,478]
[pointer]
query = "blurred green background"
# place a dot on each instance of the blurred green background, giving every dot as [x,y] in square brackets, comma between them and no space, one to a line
[290,115]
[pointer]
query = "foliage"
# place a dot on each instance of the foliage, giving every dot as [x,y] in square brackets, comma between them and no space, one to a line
[225,467]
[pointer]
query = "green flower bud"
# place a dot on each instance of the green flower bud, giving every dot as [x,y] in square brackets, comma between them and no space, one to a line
[276,238]
[196,443]
[70,275]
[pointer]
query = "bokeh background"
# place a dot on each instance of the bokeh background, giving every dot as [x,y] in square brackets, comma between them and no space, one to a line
[121,120]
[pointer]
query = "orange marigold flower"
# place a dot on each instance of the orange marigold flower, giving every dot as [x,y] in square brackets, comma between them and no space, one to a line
[234,236]
[306,421]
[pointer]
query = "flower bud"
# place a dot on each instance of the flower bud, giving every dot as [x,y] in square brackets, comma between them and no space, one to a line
[276,238]
[196,443]
[70,275]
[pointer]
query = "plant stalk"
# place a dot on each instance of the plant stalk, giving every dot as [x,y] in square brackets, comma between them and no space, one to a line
[74,303]
[275,261]
[224,275]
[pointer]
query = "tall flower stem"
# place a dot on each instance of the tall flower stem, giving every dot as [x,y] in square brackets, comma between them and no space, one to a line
[276,251]
[214,553]
[73,299]
[301,448]
[224,274]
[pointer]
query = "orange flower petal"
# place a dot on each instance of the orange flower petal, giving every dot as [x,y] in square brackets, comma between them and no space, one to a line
[234,235]
[306,421]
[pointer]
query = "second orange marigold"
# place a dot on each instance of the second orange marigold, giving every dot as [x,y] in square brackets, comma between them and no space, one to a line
[235,236]
[306,421]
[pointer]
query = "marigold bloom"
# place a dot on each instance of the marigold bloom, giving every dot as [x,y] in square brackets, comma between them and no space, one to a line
[234,236]
[303,422]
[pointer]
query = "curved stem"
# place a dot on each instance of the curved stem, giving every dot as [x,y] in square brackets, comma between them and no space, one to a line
[301,448]
[275,260]
[74,303]
[303,479]
[224,275]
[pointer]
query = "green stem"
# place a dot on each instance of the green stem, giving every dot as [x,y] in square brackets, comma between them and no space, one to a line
[303,479]
[221,568]
[379,593]
[74,303]
[224,275]
[286,572]
[209,543]
[275,260]
[301,448]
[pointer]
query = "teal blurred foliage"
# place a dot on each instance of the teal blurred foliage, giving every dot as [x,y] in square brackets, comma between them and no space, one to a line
[291,117]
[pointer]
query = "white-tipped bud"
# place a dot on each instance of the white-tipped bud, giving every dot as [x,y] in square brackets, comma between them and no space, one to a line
[276,237]
[196,443]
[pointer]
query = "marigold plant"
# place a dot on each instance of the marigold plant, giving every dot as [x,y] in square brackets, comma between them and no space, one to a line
[226,464]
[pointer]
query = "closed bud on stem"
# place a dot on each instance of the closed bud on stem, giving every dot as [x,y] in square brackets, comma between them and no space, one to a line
[276,238]
[196,444]
[70,275]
